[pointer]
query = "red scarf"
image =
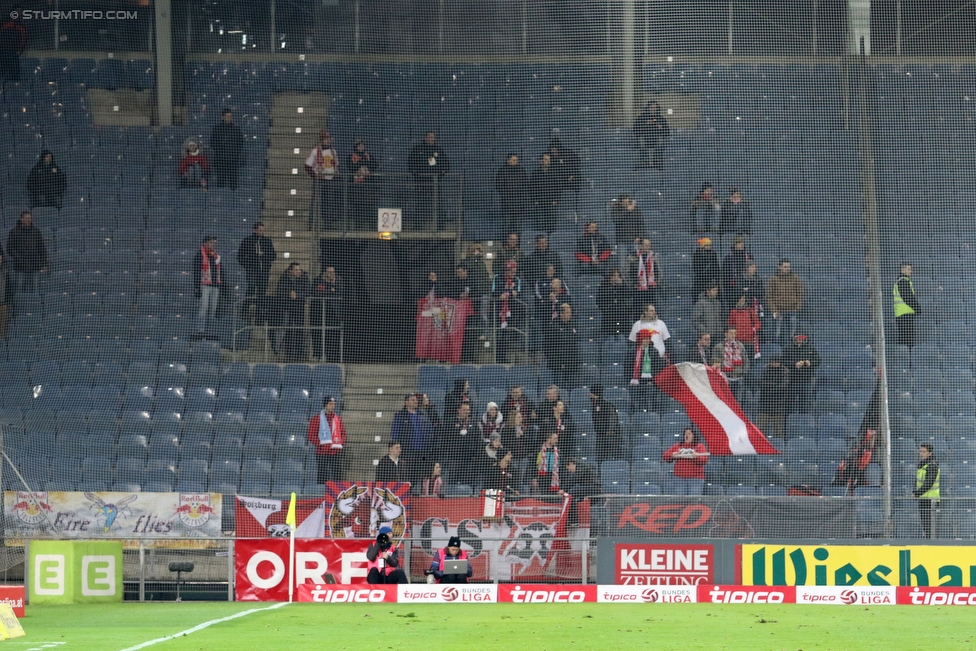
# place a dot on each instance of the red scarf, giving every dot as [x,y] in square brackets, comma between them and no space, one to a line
[731,356]
[549,463]
[432,488]
[356,158]
[645,273]
[506,313]
[206,275]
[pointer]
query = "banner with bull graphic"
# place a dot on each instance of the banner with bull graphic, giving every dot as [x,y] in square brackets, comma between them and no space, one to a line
[87,515]
[351,510]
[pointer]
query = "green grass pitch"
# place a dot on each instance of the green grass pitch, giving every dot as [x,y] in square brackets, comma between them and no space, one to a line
[538,627]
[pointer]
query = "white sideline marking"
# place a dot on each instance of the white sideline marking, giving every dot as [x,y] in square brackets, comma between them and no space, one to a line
[46,645]
[200,627]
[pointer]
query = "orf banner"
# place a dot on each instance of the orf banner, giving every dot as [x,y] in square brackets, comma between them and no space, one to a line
[440,328]
[724,517]
[261,565]
[112,515]
[528,544]
[348,510]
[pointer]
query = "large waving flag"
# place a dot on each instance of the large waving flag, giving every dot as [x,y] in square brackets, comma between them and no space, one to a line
[708,400]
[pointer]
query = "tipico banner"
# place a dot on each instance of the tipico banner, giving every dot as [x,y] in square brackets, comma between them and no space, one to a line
[68,515]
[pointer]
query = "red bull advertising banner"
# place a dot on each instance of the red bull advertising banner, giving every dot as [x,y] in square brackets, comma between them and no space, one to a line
[77,515]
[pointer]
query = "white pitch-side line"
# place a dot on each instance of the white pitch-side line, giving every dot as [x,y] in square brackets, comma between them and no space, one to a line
[200,627]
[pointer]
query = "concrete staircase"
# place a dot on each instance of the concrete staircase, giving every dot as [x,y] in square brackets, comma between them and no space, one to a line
[371,394]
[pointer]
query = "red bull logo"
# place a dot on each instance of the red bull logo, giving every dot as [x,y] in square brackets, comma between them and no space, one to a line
[31,507]
[194,509]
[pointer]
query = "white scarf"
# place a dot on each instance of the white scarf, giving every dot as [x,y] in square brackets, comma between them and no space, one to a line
[645,273]
[325,431]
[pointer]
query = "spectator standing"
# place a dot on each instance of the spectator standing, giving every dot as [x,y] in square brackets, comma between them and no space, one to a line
[383,560]
[458,442]
[705,210]
[616,304]
[546,407]
[507,289]
[562,348]
[705,267]
[643,270]
[459,395]
[487,460]
[327,309]
[580,482]
[784,296]
[492,422]
[362,209]
[746,324]
[517,401]
[802,361]
[733,361]
[46,182]
[592,250]
[194,168]
[510,251]
[907,306]
[732,269]
[547,466]
[255,255]
[701,353]
[27,255]
[736,214]
[429,164]
[413,429]
[750,285]
[425,405]
[550,294]
[538,262]
[392,468]
[774,386]
[545,192]
[652,130]
[478,276]
[433,483]
[659,331]
[606,426]
[647,364]
[512,186]
[567,164]
[322,165]
[688,456]
[206,282]
[327,434]
[628,223]
[709,315]
[927,493]
[560,423]
[227,143]
[13,41]
[293,288]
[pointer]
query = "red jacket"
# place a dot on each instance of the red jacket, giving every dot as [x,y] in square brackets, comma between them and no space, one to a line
[686,468]
[338,435]
[190,160]
[747,324]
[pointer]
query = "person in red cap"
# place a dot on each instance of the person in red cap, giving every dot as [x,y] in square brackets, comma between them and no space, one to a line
[506,289]
[323,166]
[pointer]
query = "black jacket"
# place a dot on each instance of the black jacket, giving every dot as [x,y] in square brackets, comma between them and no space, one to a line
[907,295]
[511,184]
[46,182]
[256,254]
[605,419]
[793,354]
[545,187]
[26,250]
[616,304]
[287,284]
[773,385]
[582,483]
[627,224]
[393,560]
[332,295]
[705,269]
[387,471]
[227,143]
[931,472]
[567,165]
[651,125]
[537,262]
[454,398]
[421,153]
[562,349]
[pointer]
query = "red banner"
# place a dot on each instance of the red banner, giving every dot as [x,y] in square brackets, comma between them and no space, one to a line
[546,594]
[440,328]
[944,596]
[14,596]
[658,564]
[746,594]
[261,566]
[348,510]
[346,594]
[529,544]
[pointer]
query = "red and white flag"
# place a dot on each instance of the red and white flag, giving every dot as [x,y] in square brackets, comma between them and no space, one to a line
[440,328]
[708,400]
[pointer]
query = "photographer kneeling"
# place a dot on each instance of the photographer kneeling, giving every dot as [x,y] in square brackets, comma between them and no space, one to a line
[383,560]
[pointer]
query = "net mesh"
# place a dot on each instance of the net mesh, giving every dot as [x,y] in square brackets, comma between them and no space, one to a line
[124,370]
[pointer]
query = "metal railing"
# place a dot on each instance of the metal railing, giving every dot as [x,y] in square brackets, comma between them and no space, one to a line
[268,321]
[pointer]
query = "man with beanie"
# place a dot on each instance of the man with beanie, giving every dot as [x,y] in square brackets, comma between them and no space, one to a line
[705,267]
[784,296]
[327,435]
[46,182]
[322,165]
[927,486]
[906,306]
[206,282]
[801,359]
[383,559]
[452,552]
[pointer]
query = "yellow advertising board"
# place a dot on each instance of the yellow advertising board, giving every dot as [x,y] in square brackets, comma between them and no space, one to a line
[857,565]
[9,626]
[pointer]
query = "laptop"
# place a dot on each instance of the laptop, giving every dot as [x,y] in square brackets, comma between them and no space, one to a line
[455,567]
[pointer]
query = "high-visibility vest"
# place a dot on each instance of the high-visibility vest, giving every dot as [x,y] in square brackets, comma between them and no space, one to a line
[378,562]
[901,307]
[932,493]
[442,556]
